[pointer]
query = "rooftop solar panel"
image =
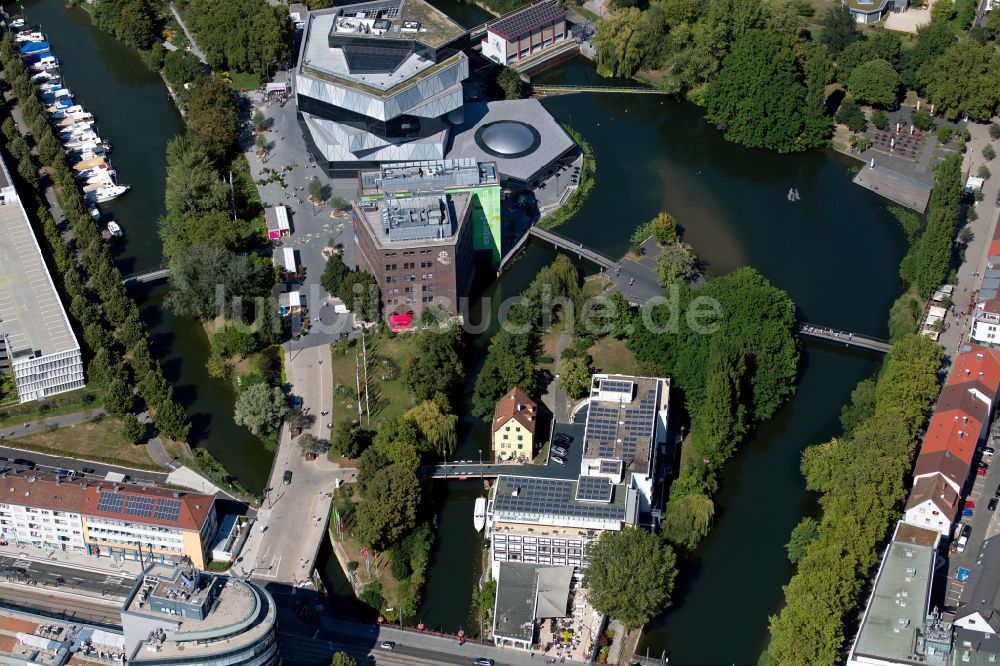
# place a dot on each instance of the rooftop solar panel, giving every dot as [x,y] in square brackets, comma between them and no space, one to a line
[167,509]
[138,506]
[110,502]
[529,19]
[550,496]
[593,489]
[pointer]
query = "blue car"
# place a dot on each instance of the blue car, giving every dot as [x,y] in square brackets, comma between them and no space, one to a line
[967,513]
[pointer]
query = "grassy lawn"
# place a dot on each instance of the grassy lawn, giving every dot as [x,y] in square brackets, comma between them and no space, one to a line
[66,403]
[99,441]
[386,359]
[612,356]
[380,570]
[550,343]
[248,81]
[596,285]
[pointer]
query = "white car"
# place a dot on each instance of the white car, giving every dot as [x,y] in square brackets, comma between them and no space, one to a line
[387,645]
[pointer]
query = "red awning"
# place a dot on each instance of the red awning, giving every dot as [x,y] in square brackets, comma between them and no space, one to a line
[400,322]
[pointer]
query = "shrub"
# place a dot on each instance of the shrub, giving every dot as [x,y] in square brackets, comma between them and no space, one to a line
[879,119]
[922,120]
[989,153]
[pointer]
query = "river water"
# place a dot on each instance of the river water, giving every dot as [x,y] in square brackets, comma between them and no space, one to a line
[134,112]
[835,252]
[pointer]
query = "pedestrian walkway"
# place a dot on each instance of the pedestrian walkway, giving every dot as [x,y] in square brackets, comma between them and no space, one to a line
[81,561]
[50,423]
[187,33]
[188,478]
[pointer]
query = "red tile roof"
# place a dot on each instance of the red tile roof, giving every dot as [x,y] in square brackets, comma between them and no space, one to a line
[944,463]
[954,431]
[44,491]
[977,364]
[518,406]
[934,489]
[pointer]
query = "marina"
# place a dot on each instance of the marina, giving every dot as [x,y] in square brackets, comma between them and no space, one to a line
[74,126]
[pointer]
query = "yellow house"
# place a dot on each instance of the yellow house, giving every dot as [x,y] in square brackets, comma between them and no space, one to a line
[514,421]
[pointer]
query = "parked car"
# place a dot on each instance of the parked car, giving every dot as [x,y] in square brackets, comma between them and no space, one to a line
[993,504]
[562,438]
[967,513]
[558,460]
[559,451]
[966,530]
[980,471]
[988,451]
[962,541]
[24,462]
[387,645]
[482,661]
[969,504]
[91,470]
[997,493]
[286,478]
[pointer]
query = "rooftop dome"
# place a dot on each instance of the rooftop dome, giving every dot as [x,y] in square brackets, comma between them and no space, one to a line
[508,138]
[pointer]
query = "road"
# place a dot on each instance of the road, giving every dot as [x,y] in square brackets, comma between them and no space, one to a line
[292,519]
[101,470]
[95,583]
[411,648]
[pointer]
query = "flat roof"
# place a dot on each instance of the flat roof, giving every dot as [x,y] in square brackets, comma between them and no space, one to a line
[621,419]
[421,220]
[552,141]
[526,593]
[39,639]
[344,42]
[240,615]
[31,314]
[427,176]
[536,500]
[526,20]
[897,609]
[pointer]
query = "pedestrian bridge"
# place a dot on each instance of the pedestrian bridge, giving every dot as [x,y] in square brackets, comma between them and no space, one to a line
[572,246]
[148,277]
[844,337]
[561,89]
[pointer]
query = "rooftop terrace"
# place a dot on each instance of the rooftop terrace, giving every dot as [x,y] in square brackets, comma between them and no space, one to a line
[430,219]
[427,176]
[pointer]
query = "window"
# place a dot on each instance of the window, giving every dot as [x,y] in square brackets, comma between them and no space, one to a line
[408,266]
[505,436]
[520,437]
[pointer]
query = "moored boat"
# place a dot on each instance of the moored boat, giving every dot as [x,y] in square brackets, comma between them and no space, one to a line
[102,194]
[479,517]
[114,230]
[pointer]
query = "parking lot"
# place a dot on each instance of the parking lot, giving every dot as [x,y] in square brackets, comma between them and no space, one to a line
[983,523]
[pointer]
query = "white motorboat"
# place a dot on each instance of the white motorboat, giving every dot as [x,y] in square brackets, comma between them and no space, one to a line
[43,76]
[95,170]
[77,128]
[100,179]
[479,517]
[104,194]
[17,22]
[29,36]
[56,95]
[84,154]
[48,85]
[114,230]
[95,213]
[73,118]
[81,140]
[47,63]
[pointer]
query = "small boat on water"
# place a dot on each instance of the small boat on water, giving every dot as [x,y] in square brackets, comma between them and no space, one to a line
[43,76]
[73,118]
[34,45]
[95,213]
[479,517]
[95,170]
[793,195]
[100,179]
[17,22]
[76,128]
[29,36]
[104,194]
[44,64]
[114,230]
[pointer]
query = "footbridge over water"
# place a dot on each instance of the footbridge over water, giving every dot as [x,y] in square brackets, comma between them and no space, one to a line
[562,243]
[542,89]
[148,277]
[844,337]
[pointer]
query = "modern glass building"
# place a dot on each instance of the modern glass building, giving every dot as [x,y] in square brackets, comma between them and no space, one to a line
[379,82]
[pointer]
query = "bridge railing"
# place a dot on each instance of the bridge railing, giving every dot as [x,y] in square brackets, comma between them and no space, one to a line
[835,334]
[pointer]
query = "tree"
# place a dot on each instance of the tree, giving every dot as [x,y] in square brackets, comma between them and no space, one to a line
[932,41]
[259,121]
[211,116]
[574,377]
[241,35]
[874,82]
[619,43]
[509,81]
[180,67]
[350,440]
[131,21]
[989,153]
[193,185]
[171,420]
[310,444]
[342,659]
[118,397]
[851,115]
[316,190]
[758,97]
[687,518]
[260,409]
[806,532]
[629,575]
[675,263]
[132,430]
[720,421]
[208,281]
[664,228]
[334,274]
[389,508]
[436,365]
[976,92]
[839,28]
[437,427]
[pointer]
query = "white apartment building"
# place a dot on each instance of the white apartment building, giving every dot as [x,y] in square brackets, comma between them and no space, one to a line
[36,338]
[626,424]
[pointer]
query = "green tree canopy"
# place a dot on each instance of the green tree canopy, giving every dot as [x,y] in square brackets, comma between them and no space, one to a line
[804,534]
[436,366]
[260,409]
[211,116]
[242,35]
[619,43]
[389,509]
[839,28]
[206,282]
[758,96]
[875,82]
[629,575]
[975,91]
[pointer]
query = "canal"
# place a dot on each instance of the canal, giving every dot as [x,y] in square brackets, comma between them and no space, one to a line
[836,252]
[134,112]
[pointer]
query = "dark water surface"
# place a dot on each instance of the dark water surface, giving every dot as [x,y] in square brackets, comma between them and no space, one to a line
[133,112]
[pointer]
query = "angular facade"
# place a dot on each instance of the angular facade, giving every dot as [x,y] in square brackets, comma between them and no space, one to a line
[379,82]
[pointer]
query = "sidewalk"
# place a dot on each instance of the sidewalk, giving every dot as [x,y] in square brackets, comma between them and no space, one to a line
[187,33]
[970,273]
[45,424]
